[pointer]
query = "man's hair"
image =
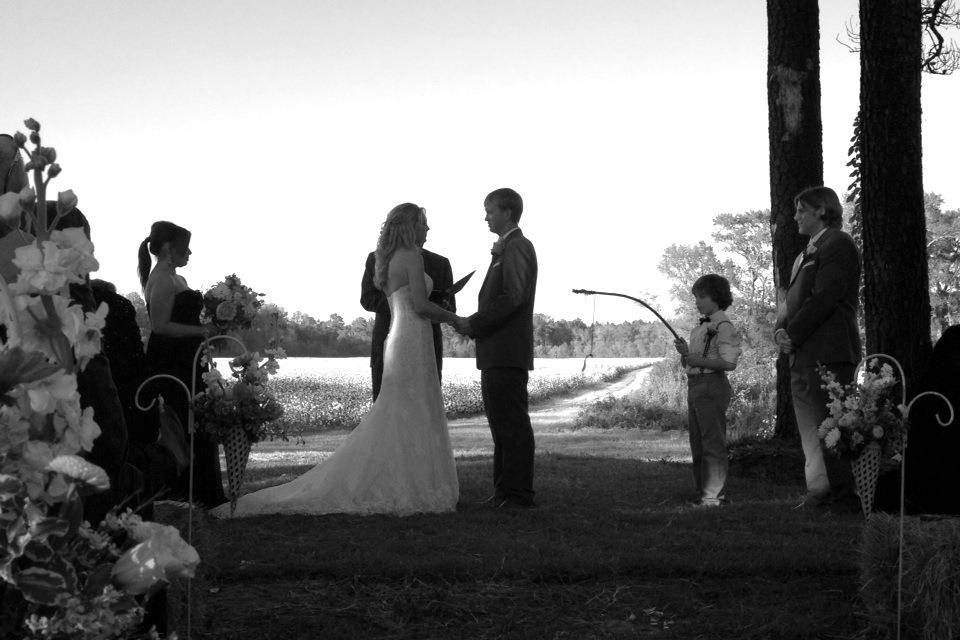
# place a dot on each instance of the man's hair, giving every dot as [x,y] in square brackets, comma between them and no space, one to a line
[507,199]
[715,287]
[825,197]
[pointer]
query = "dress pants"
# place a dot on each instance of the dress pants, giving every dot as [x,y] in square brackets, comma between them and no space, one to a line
[505,401]
[824,470]
[708,396]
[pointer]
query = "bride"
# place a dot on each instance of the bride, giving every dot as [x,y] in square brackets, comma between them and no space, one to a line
[398,460]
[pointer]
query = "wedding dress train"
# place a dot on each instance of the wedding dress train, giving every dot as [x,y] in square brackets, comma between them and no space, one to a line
[398,460]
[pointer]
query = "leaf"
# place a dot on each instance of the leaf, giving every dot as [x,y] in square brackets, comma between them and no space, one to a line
[43,585]
[71,510]
[97,581]
[38,551]
[49,527]
[10,487]
[20,367]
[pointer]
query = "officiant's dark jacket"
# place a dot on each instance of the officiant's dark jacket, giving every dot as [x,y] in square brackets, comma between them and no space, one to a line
[503,323]
[374,300]
[821,303]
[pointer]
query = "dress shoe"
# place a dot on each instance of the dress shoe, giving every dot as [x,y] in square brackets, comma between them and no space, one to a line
[491,501]
[508,503]
[707,504]
[811,500]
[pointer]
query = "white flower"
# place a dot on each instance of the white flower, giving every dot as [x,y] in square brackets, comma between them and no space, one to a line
[45,394]
[878,432]
[832,438]
[162,554]
[87,340]
[226,311]
[829,424]
[14,428]
[847,419]
[10,208]
[77,468]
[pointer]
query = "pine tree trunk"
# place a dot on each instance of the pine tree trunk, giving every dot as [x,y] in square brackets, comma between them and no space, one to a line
[896,295]
[796,148]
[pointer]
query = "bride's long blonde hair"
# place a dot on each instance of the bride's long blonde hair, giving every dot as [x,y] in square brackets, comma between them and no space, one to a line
[399,230]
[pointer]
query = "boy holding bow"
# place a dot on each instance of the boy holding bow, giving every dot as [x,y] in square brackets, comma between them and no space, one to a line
[713,350]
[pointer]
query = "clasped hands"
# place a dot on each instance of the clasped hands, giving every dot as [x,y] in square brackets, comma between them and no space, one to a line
[461,325]
[783,342]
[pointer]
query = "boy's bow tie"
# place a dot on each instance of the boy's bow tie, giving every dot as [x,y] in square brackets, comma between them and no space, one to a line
[704,319]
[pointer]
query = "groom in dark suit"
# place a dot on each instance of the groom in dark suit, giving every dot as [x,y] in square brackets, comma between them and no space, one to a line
[503,330]
[374,300]
[819,326]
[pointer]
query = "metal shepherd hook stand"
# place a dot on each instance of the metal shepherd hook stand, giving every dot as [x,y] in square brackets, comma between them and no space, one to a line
[588,292]
[191,430]
[903,461]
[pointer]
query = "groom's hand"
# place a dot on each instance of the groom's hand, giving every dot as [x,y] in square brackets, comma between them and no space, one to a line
[462,325]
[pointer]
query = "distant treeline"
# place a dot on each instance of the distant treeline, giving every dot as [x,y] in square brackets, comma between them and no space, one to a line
[302,335]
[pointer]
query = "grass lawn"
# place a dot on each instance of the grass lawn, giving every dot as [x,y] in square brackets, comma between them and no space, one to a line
[611,552]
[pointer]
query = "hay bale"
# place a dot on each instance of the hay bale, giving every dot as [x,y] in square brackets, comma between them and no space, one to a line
[177,514]
[931,575]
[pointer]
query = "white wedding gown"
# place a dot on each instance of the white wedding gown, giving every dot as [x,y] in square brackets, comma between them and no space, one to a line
[398,460]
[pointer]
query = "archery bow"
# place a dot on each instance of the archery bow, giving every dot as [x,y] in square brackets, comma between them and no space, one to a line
[587,292]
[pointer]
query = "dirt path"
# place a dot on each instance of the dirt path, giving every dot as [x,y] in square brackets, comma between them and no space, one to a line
[552,422]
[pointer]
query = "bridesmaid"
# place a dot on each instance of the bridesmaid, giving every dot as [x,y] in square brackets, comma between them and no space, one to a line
[175,334]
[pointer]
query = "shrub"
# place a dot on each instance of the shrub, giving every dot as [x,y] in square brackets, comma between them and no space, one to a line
[661,401]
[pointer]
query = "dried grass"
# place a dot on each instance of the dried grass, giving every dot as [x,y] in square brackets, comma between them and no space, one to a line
[931,576]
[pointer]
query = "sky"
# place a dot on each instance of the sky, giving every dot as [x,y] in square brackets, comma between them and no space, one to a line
[282,133]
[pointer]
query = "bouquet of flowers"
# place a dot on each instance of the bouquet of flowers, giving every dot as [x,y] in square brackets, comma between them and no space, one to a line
[231,305]
[240,411]
[60,577]
[865,424]
[863,413]
[245,402]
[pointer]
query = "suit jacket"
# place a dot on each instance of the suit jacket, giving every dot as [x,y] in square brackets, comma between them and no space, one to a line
[503,323]
[373,299]
[821,303]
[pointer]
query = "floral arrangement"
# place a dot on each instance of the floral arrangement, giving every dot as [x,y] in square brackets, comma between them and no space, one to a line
[242,402]
[231,305]
[863,412]
[60,577]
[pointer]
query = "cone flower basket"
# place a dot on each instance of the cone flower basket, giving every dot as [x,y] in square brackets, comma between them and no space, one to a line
[236,450]
[866,471]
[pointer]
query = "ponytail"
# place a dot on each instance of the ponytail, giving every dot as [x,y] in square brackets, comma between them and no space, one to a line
[144,262]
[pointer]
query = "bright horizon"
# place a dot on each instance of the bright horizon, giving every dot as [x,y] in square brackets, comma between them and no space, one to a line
[281,135]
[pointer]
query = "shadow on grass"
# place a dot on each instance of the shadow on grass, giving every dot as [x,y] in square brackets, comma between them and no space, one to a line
[613,551]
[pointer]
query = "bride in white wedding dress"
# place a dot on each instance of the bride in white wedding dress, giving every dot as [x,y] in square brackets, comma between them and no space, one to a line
[398,460]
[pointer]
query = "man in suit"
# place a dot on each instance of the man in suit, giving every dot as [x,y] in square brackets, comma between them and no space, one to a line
[819,326]
[373,299]
[503,330]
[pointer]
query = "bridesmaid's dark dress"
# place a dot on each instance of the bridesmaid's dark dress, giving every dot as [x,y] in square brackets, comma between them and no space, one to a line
[166,354]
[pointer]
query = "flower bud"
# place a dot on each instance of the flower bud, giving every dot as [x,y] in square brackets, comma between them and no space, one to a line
[66,201]
[49,153]
[54,170]
[20,139]
[32,124]
[27,196]
[34,137]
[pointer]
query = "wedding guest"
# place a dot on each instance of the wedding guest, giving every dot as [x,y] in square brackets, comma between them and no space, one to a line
[819,326]
[95,384]
[373,299]
[175,334]
[714,349]
[932,450]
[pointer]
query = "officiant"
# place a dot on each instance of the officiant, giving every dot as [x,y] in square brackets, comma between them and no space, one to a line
[375,301]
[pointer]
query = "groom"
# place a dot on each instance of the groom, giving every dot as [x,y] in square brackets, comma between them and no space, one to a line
[503,330]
